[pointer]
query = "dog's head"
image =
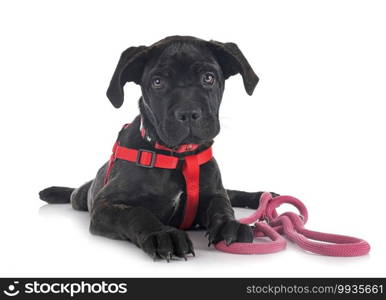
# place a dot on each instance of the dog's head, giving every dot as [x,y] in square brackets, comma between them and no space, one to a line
[182,80]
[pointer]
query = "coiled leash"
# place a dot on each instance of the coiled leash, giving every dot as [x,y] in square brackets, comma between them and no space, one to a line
[268,223]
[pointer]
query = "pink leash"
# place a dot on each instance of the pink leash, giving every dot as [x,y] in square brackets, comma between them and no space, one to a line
[268,223]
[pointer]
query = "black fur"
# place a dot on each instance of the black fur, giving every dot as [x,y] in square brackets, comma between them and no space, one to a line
[179,105]
[56,194]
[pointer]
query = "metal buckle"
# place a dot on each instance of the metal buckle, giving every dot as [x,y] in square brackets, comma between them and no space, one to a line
[264,219]
[139,155]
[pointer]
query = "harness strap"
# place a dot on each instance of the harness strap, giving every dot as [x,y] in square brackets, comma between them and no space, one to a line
[150,159]
[191,172]
[292,226]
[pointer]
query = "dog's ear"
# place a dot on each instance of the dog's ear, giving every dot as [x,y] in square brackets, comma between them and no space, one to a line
[130,67]
[232,62]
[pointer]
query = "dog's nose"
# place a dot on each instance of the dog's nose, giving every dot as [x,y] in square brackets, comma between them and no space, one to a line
[188,115]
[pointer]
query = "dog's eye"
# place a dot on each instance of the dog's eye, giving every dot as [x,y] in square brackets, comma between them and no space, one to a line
[157,83]
[208,78]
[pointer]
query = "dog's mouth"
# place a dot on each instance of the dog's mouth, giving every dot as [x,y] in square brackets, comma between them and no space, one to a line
[172,134]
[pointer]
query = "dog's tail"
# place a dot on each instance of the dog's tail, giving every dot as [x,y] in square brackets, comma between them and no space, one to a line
[56,194]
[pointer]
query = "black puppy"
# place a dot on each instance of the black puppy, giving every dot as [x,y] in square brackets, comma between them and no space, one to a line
[182,81]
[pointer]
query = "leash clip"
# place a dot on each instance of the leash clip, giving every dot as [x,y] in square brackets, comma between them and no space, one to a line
[264,219]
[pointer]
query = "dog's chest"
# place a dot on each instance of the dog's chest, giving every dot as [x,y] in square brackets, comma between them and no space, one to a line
[160,191]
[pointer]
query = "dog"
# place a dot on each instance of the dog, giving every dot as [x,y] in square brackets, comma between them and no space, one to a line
[182,79]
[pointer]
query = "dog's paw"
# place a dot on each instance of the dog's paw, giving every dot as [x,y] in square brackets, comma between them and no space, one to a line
[167,243]
[229,231]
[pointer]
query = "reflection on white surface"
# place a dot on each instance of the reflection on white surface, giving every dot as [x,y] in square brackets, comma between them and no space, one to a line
[65,211]
[55,241]
[82,220]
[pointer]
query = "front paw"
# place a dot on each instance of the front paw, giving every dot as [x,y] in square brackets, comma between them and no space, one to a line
[229,231]
[166,243]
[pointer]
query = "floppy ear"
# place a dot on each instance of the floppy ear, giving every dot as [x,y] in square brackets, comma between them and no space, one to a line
[130,67]
[232,62]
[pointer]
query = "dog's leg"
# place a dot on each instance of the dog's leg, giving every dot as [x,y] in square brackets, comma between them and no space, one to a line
[245,199]
[140,226]
[220,223]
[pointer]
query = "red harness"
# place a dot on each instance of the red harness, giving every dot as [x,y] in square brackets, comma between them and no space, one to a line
[190,170]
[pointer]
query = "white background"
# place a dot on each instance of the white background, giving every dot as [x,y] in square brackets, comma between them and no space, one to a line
[314,128]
